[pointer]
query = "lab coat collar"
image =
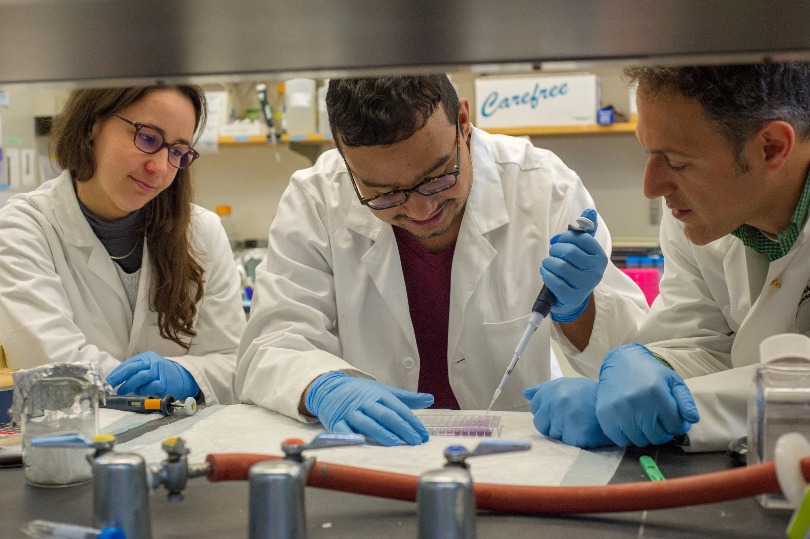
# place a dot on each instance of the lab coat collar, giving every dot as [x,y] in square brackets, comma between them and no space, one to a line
[360,219]
[485,207]
[76,230]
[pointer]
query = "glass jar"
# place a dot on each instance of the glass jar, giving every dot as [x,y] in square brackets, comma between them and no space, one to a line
[58,405]
[779,401]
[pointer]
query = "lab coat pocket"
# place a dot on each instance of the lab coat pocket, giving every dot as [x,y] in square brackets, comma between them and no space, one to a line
[533,366]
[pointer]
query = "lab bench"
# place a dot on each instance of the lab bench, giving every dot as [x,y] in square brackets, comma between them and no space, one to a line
[220,510]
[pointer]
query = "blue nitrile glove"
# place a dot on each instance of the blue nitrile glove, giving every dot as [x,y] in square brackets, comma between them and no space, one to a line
[148,374]
[641,401]
[574,266]
[349,404]
[565,409]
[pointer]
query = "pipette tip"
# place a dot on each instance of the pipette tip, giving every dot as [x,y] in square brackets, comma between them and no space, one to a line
[494,398]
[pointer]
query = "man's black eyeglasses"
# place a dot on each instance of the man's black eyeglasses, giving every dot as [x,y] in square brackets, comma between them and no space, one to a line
[427,187]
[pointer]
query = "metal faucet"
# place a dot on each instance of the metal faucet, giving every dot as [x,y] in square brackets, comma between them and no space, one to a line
[122,481]
[445,500]
[277,488]
[174,472]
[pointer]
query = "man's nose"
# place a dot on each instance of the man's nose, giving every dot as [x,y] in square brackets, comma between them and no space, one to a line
[656,181]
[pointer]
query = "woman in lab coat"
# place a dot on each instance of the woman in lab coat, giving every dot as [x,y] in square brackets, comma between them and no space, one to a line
[111,263]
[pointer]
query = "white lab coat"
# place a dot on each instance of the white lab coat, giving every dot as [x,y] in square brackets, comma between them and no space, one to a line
[61,299]
[331,295]
[717,303]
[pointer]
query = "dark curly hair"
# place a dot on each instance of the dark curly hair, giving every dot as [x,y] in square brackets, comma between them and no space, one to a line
[738,99]
[384,110]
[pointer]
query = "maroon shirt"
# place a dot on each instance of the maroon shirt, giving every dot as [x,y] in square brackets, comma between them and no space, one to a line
[427,280]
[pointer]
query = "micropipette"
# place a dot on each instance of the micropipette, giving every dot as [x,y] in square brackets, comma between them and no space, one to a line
[144,405]
[267,112]
[542,306]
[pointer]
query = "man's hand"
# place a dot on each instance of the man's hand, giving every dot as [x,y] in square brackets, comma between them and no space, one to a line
[348,404]
[565,409]
[640,401]
[575,264]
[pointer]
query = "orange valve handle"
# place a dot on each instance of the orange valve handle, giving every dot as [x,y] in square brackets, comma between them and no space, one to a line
[293,441]
[693,490]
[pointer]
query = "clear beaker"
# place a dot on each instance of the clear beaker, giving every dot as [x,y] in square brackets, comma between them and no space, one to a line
[779,401]
[58,405]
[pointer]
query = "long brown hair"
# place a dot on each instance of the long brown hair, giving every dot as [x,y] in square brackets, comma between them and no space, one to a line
[177,285]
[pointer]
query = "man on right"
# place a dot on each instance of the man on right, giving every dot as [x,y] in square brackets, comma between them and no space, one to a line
[729,150]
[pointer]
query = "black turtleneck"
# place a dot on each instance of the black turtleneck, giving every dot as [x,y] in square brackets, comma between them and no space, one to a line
[119,237]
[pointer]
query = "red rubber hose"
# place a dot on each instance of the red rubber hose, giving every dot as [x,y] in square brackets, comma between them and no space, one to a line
[714,487]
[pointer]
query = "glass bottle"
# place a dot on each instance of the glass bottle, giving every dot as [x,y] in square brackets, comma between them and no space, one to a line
[779,400]
[52,406]
[301,106]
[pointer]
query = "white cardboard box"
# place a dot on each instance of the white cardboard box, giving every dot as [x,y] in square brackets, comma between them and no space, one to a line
[243,128]
[520,101]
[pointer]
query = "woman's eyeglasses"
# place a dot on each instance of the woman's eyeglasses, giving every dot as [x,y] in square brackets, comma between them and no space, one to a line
[149,140]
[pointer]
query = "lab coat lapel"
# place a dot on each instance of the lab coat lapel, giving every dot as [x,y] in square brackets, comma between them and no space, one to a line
[383,265]
[775,309]
[77,233]
[484,212]
[741,295]
[142,305]
[98,262]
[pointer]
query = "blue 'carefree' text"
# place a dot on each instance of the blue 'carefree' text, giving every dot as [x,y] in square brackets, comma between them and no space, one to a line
[494,102]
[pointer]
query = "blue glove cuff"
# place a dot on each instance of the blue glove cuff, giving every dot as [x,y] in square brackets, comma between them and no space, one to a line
[310,402]
[573,315]
[193,387]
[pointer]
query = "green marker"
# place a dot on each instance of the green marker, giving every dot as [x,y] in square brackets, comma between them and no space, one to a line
[651,469]
[799,524]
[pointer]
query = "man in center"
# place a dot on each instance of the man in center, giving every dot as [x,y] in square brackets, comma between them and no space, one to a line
[407,260]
